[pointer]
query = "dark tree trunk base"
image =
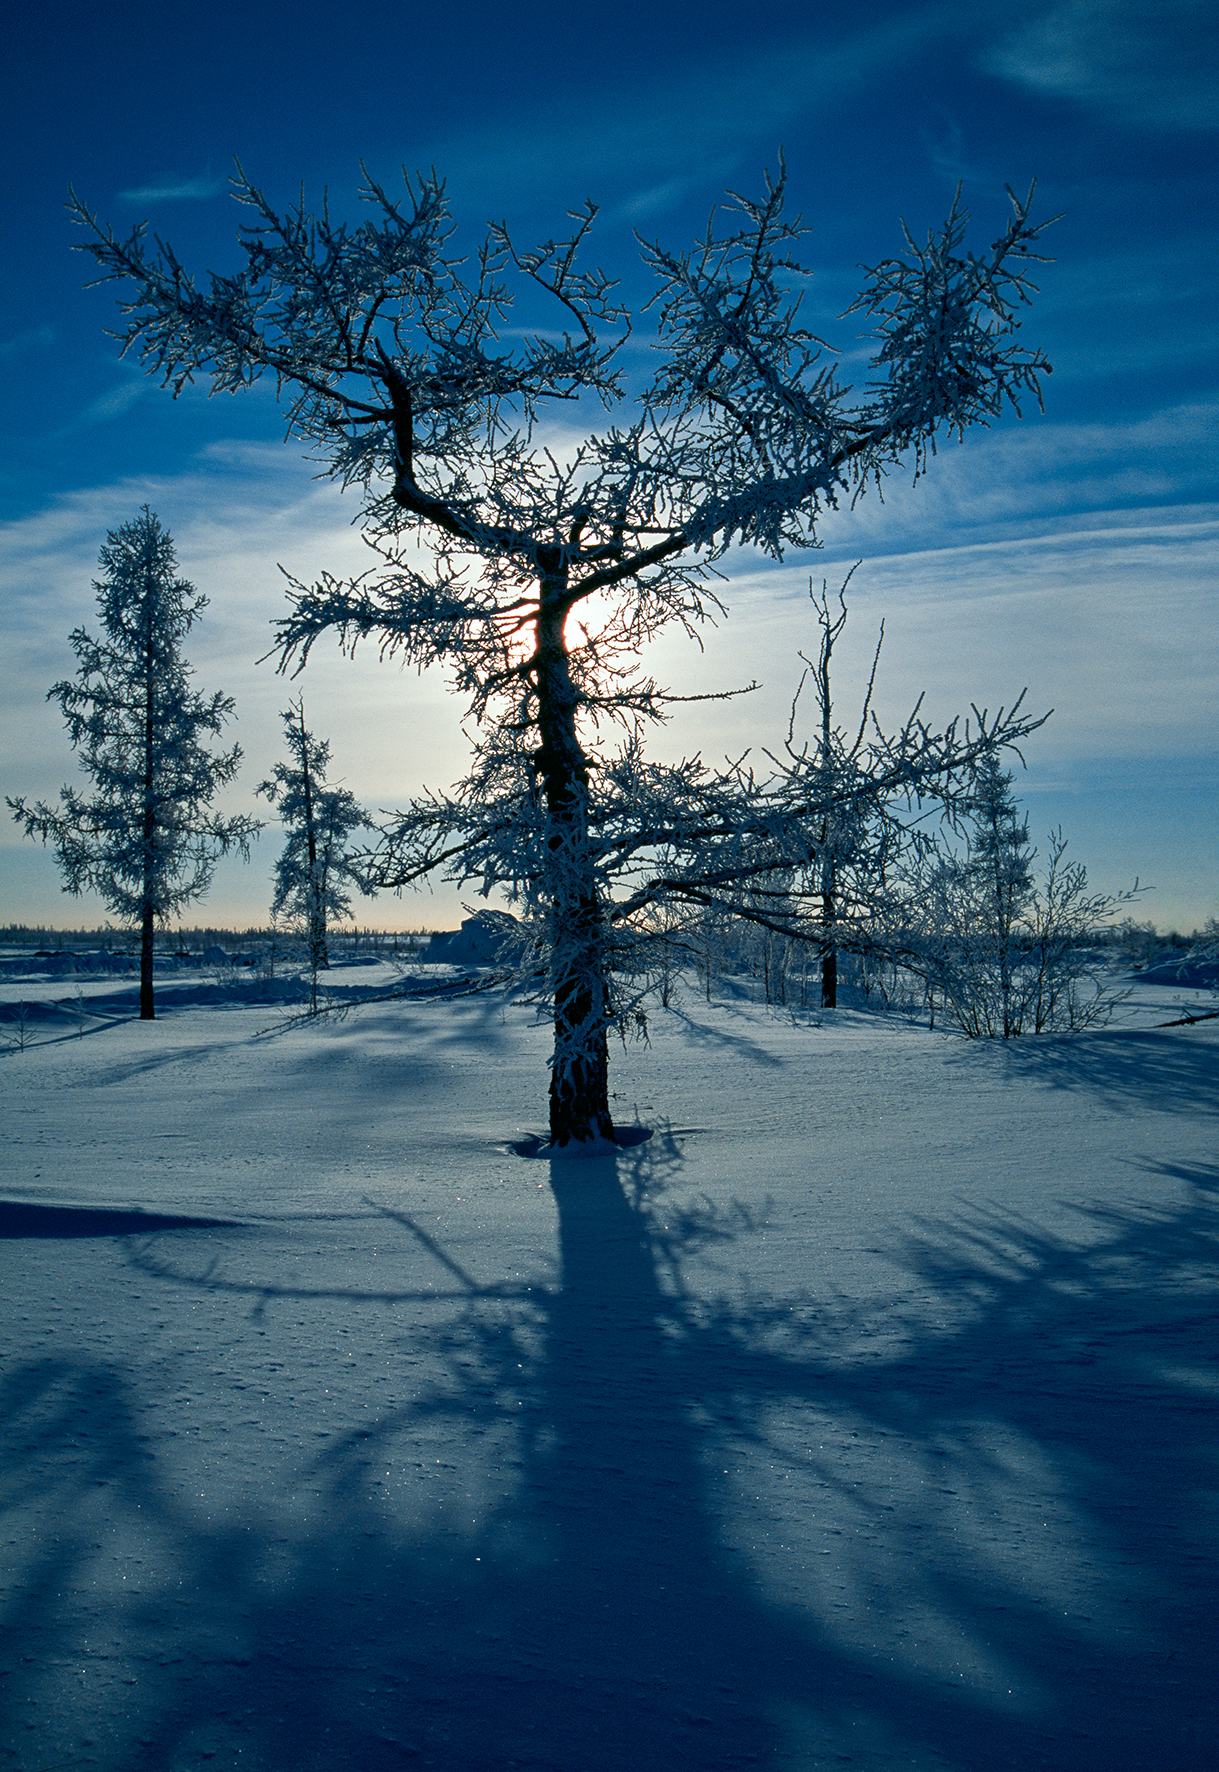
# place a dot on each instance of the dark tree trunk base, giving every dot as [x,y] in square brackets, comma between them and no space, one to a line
[579,1102]
[829,980]
[147,1012]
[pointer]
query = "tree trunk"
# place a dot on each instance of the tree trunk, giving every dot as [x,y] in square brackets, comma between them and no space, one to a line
[579,1076]
[829,978]
[149,858]
[1003,932]
[829,953]
[147,1012]
[829,908]
[319,958]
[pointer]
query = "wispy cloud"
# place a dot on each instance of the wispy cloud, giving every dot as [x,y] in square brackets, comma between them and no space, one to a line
[986,581]
[953,157]
[1104,621]
[1019,480]
[189,190]
[34,338]
[707,112]
[656,199]
[1167,274]
[110,405]
[1145,66]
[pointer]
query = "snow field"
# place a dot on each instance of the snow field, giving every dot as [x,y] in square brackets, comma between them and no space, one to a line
[864,1415]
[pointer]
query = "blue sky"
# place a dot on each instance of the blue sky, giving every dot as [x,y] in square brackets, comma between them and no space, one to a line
[1074,552]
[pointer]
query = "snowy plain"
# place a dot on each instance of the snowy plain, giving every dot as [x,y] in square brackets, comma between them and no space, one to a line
[866,1414]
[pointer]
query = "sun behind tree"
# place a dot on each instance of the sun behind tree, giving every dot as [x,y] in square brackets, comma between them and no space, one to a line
[399,367]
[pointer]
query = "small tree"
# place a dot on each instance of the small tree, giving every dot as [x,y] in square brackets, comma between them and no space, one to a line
[1204,944]
[1062,986]
[314,872]
[146,840]
[856,834]
[390,352]
[1005,952]
[996,877]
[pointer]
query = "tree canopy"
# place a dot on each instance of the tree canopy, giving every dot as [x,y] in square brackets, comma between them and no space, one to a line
[397,363]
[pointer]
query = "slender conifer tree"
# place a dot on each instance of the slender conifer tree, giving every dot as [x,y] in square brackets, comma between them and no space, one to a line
[314,873]
[146,839]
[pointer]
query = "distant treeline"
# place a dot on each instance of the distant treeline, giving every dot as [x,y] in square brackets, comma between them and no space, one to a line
[1141,941]
[193,941]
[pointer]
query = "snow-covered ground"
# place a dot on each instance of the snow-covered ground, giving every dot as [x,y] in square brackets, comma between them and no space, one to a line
[865,1415]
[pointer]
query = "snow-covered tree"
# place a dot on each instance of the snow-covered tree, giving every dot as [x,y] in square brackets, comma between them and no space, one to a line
[993,885]
[1003,951]
[843,808]
[1204,948]
[146,839]
[545,564]
[857,836]
[1062,986]
[681,853]
[314,873]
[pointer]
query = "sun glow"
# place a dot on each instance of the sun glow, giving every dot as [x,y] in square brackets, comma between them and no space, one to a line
[589,620]
[586,624]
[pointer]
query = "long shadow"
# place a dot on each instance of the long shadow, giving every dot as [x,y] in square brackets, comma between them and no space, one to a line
[592,1613]
[1099,1357]
[715,1033]
[66,1016]
[19,1218]
[1178,1071]
[88,1033]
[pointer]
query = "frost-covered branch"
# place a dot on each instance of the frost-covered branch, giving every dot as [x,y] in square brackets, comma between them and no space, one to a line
[534,574]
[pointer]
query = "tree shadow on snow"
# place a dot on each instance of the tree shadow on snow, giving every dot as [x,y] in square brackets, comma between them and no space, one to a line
[21,1218]
[717,1032]
[589,1610]
[1177,1070]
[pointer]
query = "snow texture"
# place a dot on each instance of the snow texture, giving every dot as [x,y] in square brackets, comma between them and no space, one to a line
[863,1415]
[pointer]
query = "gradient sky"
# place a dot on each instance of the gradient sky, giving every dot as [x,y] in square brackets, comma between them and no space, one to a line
[1073,553]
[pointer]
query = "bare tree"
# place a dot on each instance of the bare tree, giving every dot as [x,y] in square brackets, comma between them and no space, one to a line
[147,840]
[549,565]
[853,840]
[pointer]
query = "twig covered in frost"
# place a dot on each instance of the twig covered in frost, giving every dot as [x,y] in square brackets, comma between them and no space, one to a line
[391,356]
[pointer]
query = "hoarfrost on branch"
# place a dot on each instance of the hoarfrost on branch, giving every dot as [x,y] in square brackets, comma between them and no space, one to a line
[392,357]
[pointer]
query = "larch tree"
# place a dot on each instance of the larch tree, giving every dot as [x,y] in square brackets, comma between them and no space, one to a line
[853,837]
[820,848]
[998,875]
[1005,951]
[314,873]
[534,568]
[147,838]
